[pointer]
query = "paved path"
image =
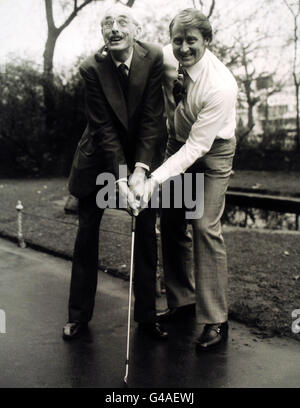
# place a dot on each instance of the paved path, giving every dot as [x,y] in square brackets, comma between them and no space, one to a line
[33,294]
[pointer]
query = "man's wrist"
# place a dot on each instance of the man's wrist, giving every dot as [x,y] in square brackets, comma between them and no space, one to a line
[140,171]
[154,180]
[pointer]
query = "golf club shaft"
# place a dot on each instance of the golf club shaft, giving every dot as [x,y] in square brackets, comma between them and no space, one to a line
[130,296]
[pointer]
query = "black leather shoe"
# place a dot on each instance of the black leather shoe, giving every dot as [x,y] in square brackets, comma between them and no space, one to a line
[74,330]
[177,313]
[155,330]
[213,335]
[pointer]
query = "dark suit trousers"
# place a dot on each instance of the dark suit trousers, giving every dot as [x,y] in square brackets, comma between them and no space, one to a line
[85,263]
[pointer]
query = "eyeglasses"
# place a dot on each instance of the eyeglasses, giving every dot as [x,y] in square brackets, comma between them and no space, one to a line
[121,21]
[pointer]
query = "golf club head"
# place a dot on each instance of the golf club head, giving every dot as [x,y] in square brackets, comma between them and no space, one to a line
[125,381]
[126,374]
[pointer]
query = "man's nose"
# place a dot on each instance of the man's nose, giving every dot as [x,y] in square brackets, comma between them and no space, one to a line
[184,47]
[115,26]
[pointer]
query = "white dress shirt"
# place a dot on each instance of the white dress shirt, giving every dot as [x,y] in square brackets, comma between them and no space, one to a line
[208,112]
[127,62]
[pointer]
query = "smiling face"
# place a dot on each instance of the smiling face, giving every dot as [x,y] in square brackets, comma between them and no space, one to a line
[119,29]
[188,44]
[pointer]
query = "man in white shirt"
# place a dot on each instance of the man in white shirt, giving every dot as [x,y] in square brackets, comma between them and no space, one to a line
[201,140]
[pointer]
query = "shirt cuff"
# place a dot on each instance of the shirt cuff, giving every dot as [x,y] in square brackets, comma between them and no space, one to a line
[121,179]
[143,165]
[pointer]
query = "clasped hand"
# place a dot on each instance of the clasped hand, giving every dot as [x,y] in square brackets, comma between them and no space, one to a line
[138,191]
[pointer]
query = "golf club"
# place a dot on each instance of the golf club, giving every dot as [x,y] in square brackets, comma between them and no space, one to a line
[129,298]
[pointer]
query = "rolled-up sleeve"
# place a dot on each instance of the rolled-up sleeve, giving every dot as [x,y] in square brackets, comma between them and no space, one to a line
[210,120]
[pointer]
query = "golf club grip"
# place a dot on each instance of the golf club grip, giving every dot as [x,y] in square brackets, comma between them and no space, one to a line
[133,223]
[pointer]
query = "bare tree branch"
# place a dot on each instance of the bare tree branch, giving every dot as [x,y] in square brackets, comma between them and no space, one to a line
[73,14]
[129,3]
[295,14]
[211,10]
[201,3]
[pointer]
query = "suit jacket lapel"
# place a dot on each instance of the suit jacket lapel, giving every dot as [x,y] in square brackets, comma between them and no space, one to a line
[112,89]
[137,77]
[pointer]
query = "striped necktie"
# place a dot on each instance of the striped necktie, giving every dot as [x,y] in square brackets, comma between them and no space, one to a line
[180,85]
[123,76]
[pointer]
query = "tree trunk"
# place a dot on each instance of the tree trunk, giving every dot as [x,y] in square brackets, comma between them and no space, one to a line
[250,116]
[49,53]
[297,116]
[247,86]
[48,67]
[48,84]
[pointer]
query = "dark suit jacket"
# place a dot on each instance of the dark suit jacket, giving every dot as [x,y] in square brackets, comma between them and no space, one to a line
[119,133]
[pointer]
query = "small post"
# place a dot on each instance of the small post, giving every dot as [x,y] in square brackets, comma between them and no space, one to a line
[159,261]
[19,208]
[2,321]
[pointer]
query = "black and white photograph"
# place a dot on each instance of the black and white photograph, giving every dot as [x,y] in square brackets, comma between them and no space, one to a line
[149,197]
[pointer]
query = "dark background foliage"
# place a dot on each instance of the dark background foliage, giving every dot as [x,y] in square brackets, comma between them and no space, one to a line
[27,145]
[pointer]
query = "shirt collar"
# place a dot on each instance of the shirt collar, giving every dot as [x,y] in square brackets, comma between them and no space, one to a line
[195,70]
[127,62]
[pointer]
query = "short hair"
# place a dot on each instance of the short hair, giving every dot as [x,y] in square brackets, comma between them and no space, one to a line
[192,17]
[121,7]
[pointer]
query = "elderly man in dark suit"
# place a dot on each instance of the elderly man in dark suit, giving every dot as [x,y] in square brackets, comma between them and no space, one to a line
[124,107]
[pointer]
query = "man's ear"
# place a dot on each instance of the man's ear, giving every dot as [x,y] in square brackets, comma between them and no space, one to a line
[138,31]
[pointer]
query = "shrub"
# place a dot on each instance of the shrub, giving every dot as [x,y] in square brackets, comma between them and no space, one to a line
[27,145]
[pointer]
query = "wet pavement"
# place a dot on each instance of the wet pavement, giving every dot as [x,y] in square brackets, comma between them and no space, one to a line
[33,294]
